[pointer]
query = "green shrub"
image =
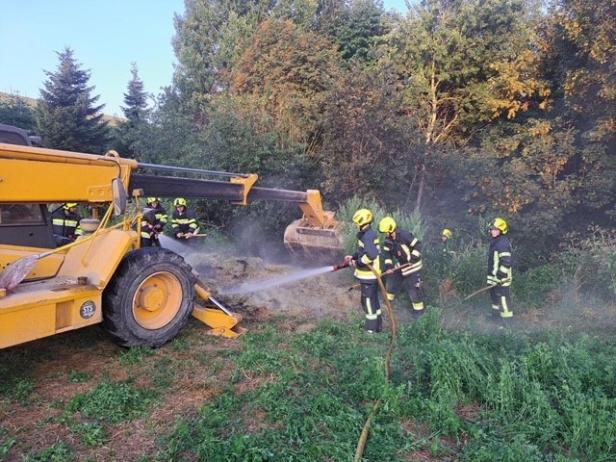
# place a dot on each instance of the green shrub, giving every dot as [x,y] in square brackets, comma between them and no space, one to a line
[409,221]
[532,288]
[589,263]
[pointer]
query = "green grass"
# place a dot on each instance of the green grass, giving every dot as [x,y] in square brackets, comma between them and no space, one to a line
[57,452]
[537,398]
[15,386]
[6,443]
[509,396]
[112,402]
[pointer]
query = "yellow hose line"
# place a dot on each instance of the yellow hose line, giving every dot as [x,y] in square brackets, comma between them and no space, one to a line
[393,325]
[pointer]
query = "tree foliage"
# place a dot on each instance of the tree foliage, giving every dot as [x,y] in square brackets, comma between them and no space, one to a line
[464,108]
[14,110]
[130,133]
[66,116]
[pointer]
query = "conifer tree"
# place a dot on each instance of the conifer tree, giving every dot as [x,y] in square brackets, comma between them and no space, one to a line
[131,131]
[135,100]
[67,117]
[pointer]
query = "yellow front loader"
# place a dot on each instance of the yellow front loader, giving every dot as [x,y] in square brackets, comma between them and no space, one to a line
[142,296]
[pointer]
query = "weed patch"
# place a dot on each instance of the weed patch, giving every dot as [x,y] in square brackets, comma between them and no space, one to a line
[112,402]
[15,387]
[57,452]
[6,443]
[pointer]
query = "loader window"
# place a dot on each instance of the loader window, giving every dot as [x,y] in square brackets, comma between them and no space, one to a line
[12,138]
[21,214]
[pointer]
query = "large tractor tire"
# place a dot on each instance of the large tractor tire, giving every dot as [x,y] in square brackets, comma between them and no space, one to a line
[149,299]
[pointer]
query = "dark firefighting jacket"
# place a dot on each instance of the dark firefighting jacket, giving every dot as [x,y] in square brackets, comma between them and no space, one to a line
[66,224]
[499,262]
[403,250]
[184,222]
[367,255]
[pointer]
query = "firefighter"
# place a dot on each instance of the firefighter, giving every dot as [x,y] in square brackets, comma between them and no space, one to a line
[65,223]
[446,240]
[402,249]
[149,234]
[499,269]
[154,222]
[366,263]
[183,222]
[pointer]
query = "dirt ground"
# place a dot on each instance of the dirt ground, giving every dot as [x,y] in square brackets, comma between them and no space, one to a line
[327,295]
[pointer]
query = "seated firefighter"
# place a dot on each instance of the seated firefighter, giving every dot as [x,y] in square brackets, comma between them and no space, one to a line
[152,223]
[65,223]
[183,221]
[401,250]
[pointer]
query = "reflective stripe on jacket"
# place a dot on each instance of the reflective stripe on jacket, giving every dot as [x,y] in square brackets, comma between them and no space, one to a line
[499,261]
[66,224]
[184,222]
[404,249]
[367,255]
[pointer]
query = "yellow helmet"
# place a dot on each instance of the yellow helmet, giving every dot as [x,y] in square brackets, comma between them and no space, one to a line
[447,233]
[500,224]
[70,205]
[180,201]
[151,200]
[387,225]
[362,217]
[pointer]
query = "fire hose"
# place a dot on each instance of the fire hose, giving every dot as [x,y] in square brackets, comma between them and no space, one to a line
[393,325]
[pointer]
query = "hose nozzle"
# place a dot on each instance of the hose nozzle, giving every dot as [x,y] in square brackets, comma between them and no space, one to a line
[339,266]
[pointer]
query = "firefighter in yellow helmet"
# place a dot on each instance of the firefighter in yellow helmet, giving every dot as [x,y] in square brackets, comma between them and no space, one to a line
[446,240]
[153,222]
[65,224]
[366,263]
[499,269]
[183,221]
[402,249]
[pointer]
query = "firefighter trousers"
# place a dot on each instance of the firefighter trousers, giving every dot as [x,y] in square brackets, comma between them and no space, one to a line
[413,285]
[371,306]
[501,301]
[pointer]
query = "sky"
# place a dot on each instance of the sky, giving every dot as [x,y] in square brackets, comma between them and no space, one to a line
[106,37]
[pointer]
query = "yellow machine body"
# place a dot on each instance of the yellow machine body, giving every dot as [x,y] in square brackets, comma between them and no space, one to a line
[65,287]
[64,290]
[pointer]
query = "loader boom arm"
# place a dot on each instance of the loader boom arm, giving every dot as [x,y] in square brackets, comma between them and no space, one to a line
[37,175]
[238,190]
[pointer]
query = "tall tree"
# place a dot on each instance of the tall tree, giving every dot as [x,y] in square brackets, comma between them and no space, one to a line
[130,133]
[578,53]
[356,27]
[443,58]
[135,99]
[66,116]
[286,73]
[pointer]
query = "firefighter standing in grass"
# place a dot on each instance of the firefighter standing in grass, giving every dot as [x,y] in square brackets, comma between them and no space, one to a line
[499,269]
[366,263]
[446,241]
[401,249]
[65,223]
[183,222]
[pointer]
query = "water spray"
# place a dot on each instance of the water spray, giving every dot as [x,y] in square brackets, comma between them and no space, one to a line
[265,284]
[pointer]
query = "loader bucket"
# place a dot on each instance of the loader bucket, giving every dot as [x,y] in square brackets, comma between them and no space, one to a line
[218,318]
[303,239]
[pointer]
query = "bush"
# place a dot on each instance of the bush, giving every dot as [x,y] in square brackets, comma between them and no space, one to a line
[589,263]
[411,222]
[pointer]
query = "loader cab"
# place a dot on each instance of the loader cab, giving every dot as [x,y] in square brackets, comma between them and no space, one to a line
[23,224]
